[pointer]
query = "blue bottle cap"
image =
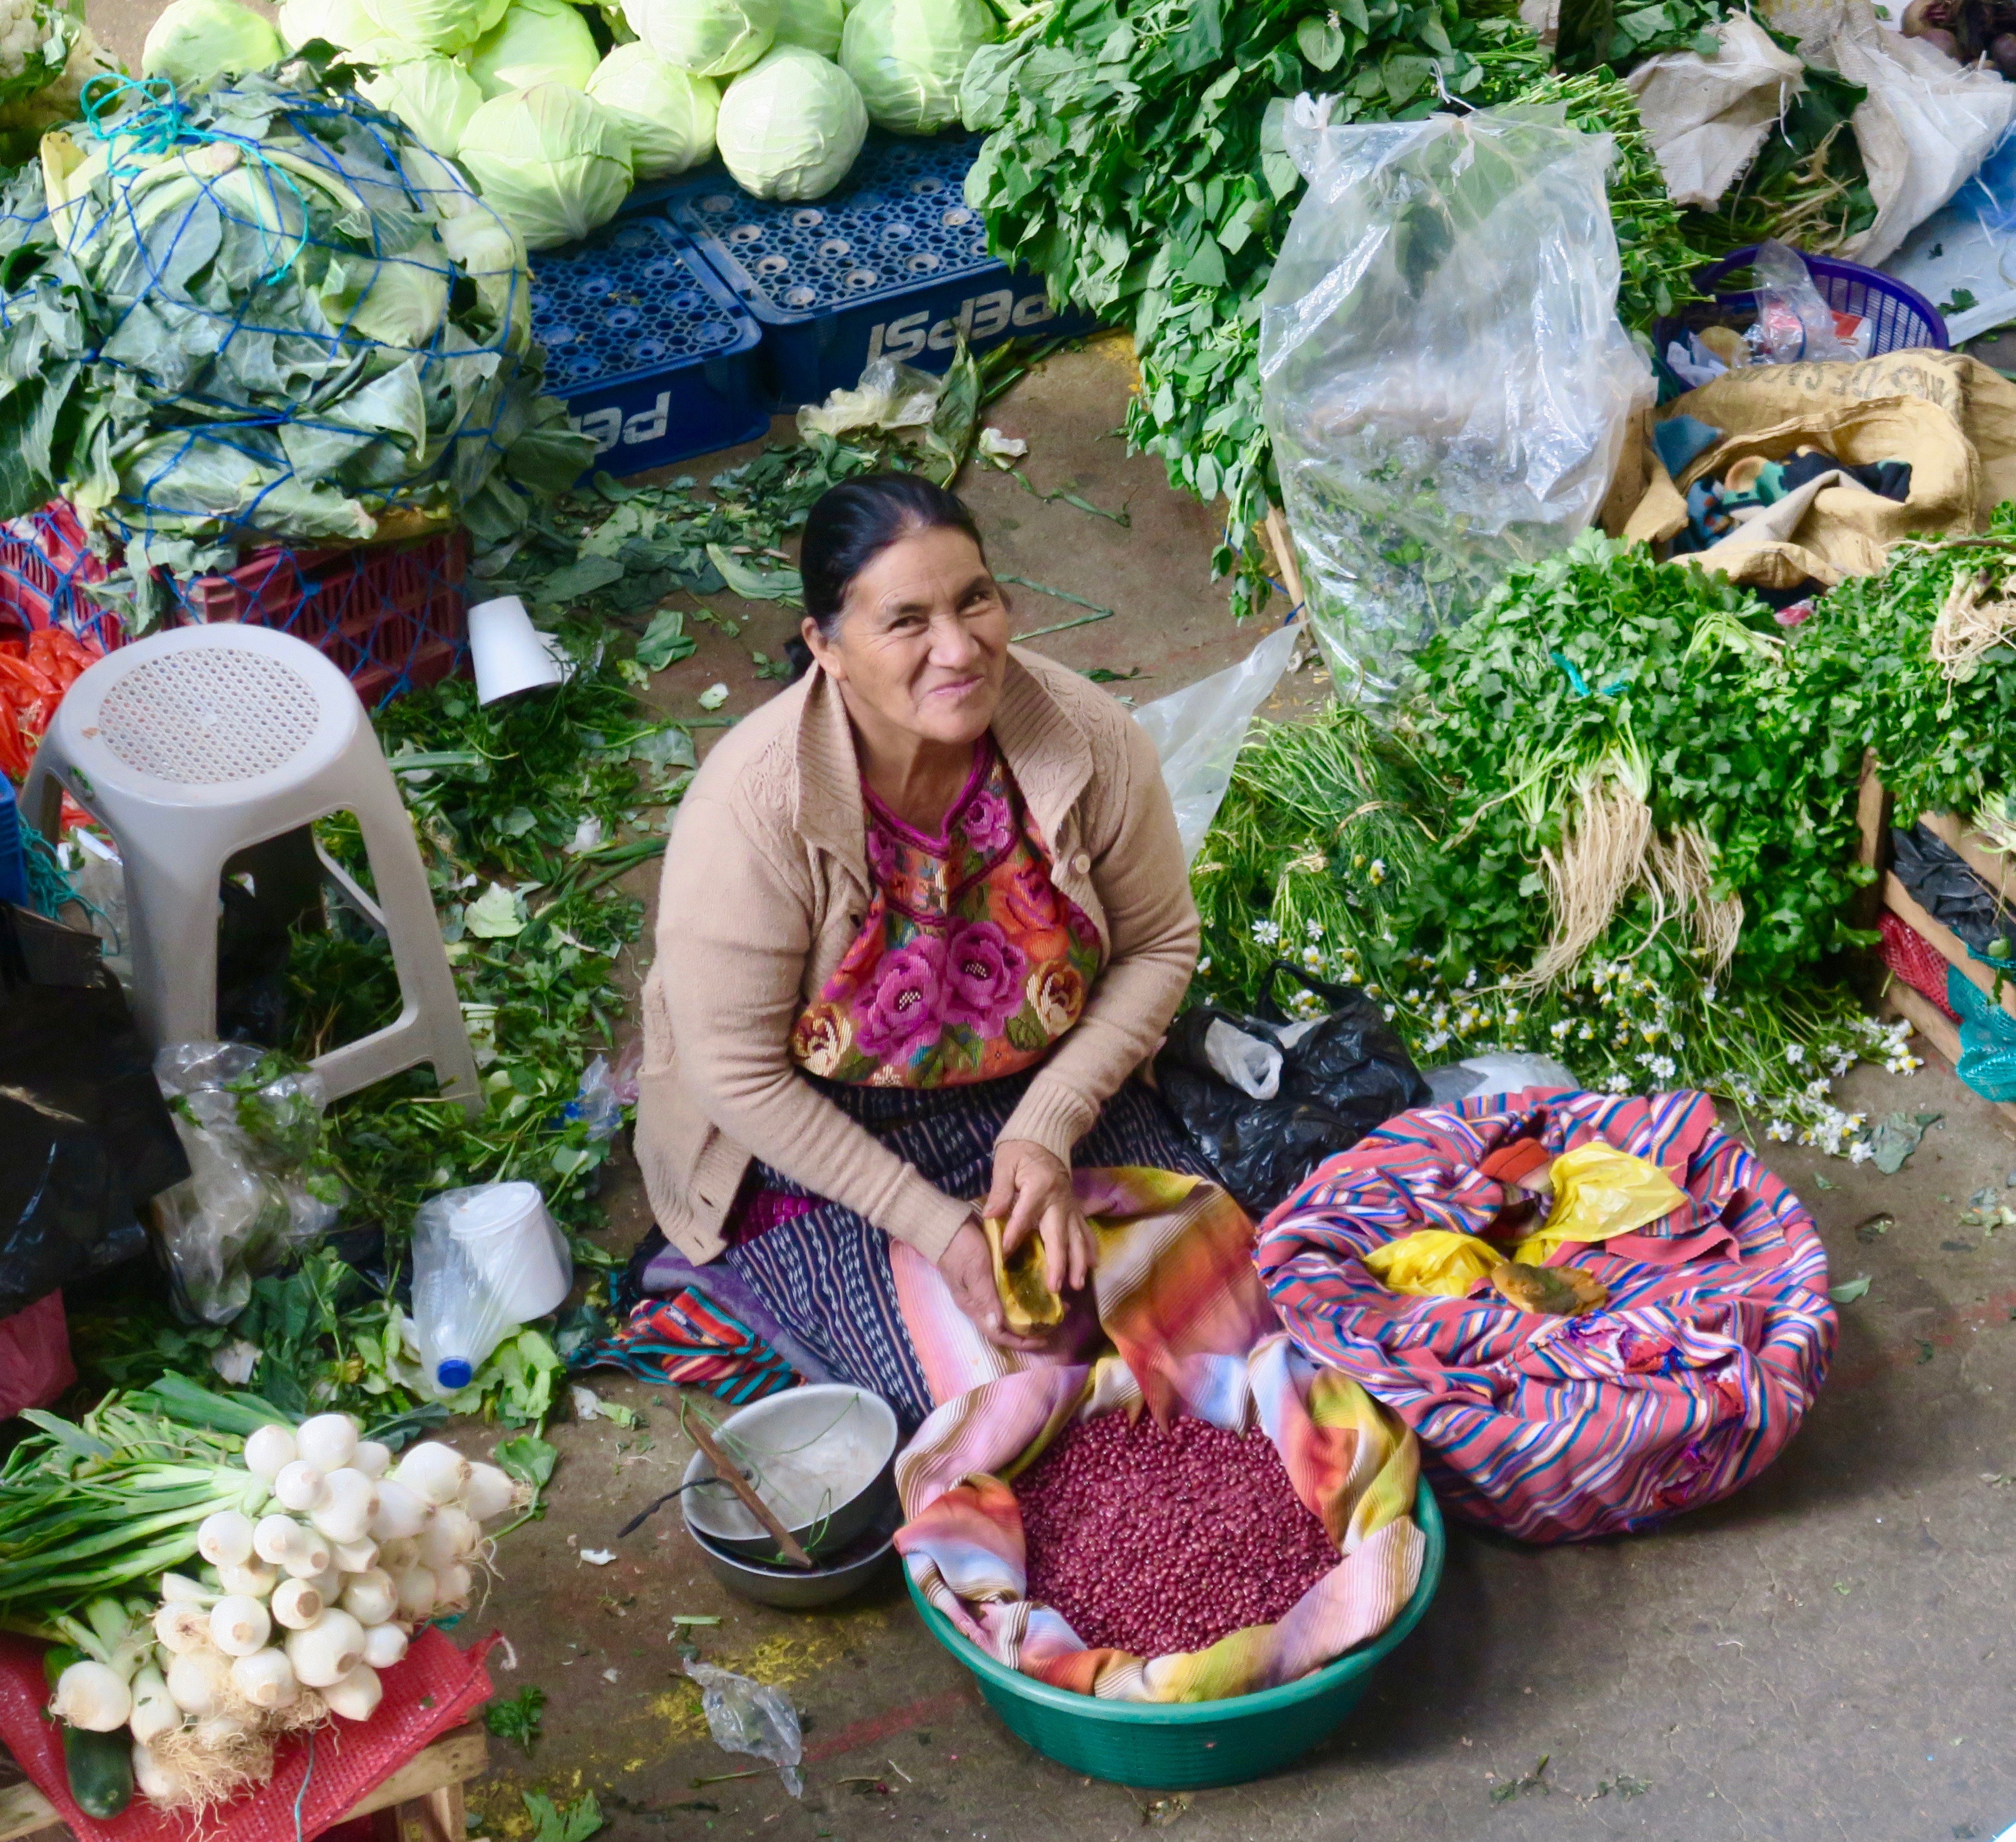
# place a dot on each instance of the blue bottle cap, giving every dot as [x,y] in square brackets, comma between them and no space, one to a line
[454,1373]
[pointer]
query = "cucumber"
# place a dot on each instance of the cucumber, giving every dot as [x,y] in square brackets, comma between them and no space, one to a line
[101,1770]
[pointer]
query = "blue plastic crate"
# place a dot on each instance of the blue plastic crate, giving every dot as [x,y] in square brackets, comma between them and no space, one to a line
[13,852]
[893,263]
[655,358]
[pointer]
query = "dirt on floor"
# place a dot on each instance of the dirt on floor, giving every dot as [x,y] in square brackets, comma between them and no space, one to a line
[1823,1656]
[1827,1655]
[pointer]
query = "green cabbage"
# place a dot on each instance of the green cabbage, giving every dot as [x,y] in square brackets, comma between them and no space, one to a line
[908,57]
[815,24]
[791,128]
[669,112]
[434,25]
[551,161]
[434,97]
[195,43]
[536,42]
[709,38]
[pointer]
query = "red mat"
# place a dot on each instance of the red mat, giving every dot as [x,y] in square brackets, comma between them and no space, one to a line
[435,1689]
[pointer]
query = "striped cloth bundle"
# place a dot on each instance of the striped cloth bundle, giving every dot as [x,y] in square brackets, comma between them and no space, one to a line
[1714,1340]
[688,1341]
[1178,1297]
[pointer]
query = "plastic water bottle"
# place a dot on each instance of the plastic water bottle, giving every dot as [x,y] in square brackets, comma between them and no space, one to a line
[486,1260]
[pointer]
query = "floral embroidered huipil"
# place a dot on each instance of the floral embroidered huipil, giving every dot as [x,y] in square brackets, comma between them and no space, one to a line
[969,964]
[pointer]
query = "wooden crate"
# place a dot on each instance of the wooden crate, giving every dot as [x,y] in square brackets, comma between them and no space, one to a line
[420,1802]
[1872,817]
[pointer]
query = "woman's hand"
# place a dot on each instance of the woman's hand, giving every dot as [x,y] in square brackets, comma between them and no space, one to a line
[1032,1191]
[968,1266]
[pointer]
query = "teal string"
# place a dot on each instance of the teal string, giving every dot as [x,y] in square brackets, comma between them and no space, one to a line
[157,127]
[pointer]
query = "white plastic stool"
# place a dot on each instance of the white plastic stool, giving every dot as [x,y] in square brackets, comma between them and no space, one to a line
[191,745]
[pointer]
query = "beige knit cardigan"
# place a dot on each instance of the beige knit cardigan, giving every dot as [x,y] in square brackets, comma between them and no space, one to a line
[766,883]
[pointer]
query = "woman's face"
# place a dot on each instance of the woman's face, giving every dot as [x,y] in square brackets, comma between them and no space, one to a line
[923,639]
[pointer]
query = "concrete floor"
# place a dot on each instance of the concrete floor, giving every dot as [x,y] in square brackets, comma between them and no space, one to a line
[1826,1654]
[1823,1656]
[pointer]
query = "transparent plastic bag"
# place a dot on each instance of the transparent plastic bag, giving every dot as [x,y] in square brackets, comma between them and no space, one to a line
[1794,322]
[1197,731]
[258,1190]
[746,1716]
[486,1259]
[1443,372]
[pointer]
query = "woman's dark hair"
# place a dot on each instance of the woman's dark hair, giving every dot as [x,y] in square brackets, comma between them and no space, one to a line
[852,523]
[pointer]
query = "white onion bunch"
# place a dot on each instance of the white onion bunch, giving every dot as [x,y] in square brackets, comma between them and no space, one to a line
[317,1575]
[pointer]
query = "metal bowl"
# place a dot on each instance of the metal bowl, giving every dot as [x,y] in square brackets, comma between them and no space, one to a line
[792,1589]
[821,1458]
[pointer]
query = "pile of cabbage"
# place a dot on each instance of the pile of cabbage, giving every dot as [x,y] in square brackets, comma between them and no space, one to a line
[265,311]
[557,110]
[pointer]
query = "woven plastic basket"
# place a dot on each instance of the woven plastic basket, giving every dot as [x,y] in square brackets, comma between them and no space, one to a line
[1186,1746]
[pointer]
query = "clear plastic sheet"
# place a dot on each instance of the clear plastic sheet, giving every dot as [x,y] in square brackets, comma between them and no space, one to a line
[258,1191]
[1444,376]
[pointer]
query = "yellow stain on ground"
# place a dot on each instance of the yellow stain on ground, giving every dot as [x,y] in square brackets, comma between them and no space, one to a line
[811,1646]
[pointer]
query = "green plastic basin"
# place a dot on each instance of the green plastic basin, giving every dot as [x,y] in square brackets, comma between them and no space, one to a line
[1186,1746]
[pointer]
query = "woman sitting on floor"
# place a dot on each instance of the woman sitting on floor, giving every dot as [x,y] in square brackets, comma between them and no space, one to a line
[922,916]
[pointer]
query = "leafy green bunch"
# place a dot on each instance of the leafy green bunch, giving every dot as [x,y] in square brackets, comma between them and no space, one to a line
[1941,744]
[1137,158]
[1413,858]
[526,813]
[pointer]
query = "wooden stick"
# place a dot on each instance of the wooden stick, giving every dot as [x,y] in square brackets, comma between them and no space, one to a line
[1285,554]
[732,1476]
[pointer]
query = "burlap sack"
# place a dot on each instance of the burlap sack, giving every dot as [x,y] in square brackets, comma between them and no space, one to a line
[1706,117]
[1951,416]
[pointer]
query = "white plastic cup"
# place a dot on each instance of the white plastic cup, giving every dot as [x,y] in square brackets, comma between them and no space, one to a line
[516,1247]
[510,653]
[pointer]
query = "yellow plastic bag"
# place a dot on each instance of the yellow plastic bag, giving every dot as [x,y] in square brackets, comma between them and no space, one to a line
[1027,1304]
[1600,1191]
[1433,1263]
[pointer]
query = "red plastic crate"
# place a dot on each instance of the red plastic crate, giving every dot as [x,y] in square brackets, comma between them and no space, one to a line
[392,615]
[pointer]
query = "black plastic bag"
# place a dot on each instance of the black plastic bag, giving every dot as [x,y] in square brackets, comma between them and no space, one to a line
[1340,1078]
[1942,883]
[85,1137]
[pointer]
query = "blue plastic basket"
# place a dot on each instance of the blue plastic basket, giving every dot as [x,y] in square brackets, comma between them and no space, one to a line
[13,852]
[654,357]
[893,263]
[1900,318]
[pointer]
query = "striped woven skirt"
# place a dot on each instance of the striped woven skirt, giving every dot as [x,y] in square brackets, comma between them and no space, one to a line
[825,1273]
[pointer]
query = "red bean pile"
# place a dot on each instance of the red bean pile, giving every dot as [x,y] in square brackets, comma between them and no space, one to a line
[1156,1542]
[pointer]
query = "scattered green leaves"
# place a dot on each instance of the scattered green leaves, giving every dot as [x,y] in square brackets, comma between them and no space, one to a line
[516,1717]
[1847,1292]
[564,1823]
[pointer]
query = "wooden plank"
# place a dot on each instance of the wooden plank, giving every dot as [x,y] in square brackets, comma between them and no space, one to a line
[1940,1033]
[1872,826]
[443,1768]
[1901,902]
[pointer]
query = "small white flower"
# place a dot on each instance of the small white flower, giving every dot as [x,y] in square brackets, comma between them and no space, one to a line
[1559,1031]
[1796,1053]
[1470,984]
[1861,1151]
[1203,965]
[1780,1130]
[1316,930]
[1312,958]
[1376,870]
[1267,933]
[1618,1084]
